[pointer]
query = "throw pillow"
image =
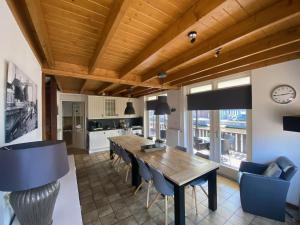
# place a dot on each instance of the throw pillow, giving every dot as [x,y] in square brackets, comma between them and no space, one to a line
[273,170]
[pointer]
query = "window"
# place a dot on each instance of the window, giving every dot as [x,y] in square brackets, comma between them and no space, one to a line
[110,107]
[201,89]
[234,82]
[157,125]
[151,124]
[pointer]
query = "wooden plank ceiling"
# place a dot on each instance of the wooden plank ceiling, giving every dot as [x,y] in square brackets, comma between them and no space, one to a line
[115,47]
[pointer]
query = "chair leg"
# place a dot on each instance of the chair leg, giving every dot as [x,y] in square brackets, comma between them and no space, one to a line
[166,210]
[148,193]
[156,197]
[127,172]
[204,190]
[195,198]
[138,188]
[115,160]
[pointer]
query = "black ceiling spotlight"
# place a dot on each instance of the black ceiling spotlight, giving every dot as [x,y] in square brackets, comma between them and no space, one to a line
[162,107]
[129,110]
[218,52]
[192,36]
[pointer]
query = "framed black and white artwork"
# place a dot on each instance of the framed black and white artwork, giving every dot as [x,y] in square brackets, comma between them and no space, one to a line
[21,113]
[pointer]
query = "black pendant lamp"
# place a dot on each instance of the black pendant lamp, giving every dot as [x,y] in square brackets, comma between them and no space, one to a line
[162,107]
[129,110]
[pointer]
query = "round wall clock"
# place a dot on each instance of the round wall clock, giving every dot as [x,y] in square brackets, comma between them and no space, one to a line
[283,94]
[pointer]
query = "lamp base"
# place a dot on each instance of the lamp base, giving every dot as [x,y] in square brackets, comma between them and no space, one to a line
[35,206]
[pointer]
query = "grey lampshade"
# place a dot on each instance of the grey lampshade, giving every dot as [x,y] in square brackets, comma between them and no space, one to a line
[162,107]
[30,165]
[129,109]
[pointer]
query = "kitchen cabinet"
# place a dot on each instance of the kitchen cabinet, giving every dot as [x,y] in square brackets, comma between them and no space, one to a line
[105,107]
[95,107]
[98,140]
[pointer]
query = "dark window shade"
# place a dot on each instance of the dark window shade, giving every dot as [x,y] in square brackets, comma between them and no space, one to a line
[229,98]
[150,105]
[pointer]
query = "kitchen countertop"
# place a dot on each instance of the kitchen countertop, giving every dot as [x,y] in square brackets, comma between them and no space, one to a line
[133,127]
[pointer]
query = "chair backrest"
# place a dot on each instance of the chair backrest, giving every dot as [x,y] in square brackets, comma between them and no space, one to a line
[181,148]
[125,156]
[202,155]
[287,166]
[117,149]
[160,182]
[144,170]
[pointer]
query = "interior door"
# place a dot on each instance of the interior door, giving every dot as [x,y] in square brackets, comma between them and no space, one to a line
[78,125]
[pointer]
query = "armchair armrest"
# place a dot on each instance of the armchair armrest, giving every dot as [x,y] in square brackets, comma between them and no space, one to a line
[264,196]
[251,167]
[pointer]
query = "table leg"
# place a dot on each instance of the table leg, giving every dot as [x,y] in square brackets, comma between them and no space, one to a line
[179,208]
[135,175]
[212,190]
[111,153]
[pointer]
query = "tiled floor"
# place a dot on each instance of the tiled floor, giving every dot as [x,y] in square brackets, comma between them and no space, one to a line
[106,199]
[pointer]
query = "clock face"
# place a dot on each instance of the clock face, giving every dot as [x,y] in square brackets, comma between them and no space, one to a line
[283,94]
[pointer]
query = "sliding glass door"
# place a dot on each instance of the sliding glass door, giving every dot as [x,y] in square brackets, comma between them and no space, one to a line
[151,124]
[220,135]
[201,132]
[233,133]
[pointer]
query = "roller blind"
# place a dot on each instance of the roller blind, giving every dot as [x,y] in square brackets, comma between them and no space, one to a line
[229,98]
[150,105]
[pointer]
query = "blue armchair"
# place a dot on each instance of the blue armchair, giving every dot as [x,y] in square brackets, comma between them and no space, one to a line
[263,195]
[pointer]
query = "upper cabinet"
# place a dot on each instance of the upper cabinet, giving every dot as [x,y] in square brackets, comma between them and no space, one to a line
[95,107]
[102,107]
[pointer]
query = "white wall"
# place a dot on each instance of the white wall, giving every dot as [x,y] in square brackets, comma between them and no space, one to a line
[14,48]
[268,138]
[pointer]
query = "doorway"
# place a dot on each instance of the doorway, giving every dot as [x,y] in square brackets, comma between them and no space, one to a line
[73,124]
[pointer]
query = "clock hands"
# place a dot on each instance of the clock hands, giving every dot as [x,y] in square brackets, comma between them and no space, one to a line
[283,94]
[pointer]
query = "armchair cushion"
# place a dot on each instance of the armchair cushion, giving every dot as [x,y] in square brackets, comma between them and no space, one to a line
[273,170]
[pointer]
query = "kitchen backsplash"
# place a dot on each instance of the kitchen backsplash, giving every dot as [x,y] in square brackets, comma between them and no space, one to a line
[114,123]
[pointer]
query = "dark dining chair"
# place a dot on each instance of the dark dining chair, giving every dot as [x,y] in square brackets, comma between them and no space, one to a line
[163,187]
[199,183]
[126,158]
[146,175]
[181,148]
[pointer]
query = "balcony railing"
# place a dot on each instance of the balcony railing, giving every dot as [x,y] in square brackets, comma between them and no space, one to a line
[233,144]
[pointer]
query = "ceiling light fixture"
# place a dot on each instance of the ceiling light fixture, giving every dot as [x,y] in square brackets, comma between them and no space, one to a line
[192,36]
[162,107]
[129,110]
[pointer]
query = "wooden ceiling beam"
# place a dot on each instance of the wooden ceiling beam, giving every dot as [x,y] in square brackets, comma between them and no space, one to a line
[103,88]
[104,78]
[37,18]
[148,92]
[120,90]
[267,62]
[181,26]
[60,88]
[276,13]
[117,12]
[254,59]
[17,8]
[138,90]
[281,38]
[83,87]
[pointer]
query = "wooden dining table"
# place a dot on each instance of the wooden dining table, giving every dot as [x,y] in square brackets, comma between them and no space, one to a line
[178,167]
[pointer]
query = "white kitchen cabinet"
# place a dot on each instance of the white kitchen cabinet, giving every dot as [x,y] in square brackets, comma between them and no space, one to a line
[98,140]
[120,107]
[95,107]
